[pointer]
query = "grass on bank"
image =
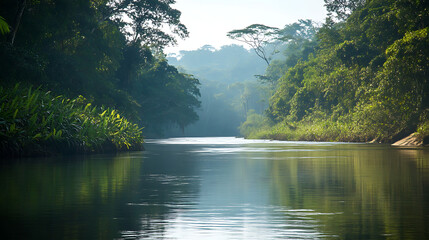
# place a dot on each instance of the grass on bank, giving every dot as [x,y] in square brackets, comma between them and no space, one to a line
[33,122]
[345,129]
[258,126]
[321,131]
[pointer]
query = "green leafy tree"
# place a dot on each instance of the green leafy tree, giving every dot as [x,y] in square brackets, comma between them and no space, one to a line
[367,78]
[257,36]
[404,76]
[145,22]
[166,96]
[341,9]
[297,41]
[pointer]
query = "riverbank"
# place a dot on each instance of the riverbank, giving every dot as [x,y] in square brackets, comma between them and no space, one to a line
[36,123]
[414,140]
[329,131]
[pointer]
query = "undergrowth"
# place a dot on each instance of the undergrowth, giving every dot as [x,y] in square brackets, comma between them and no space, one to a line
[345,129]
[33,122]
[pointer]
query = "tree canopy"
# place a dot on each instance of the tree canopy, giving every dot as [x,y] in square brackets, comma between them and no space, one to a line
[341,9]
[257,36]
[108,51]
[364,79]
[145,21]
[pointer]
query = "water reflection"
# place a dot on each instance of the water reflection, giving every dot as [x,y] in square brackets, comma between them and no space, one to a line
[221,188]
[380,191]
[67,198]
[234,197]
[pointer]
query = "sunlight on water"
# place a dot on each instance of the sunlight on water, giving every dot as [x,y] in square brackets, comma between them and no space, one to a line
[248,149]
[221,189]
[237,222]
[228,141]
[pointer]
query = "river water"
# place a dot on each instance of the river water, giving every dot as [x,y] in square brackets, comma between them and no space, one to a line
[220,188]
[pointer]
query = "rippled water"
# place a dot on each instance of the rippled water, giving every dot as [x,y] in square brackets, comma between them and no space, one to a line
[221,188]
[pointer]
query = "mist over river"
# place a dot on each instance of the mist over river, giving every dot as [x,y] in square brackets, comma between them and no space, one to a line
[221,188]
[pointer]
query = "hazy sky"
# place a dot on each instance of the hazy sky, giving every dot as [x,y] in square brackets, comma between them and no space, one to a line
[208,21]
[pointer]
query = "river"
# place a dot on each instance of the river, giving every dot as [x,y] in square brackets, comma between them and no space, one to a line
[220,188]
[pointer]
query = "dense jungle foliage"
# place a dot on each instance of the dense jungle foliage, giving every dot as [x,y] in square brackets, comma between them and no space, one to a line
[37,123]
[109,52]
[365,76]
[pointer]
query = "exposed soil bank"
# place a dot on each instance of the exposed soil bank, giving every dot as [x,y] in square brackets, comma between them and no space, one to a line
[412,140]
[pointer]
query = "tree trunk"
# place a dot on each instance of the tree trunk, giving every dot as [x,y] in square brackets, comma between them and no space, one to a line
[18,17]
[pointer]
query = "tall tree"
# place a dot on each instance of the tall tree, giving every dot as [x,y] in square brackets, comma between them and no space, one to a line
[341,9]
[21,4]
[296,41]
[257,36]
[145,21]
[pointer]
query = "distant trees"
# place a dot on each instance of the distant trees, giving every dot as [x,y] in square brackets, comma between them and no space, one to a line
[231,63]
[228,88]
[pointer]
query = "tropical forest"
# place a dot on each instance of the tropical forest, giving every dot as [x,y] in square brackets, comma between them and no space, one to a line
[89,76]
[360,76]
[214,119]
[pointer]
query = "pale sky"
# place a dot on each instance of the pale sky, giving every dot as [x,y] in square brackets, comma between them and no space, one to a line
[208,21]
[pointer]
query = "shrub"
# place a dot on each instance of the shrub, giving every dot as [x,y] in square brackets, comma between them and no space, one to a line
[33,122]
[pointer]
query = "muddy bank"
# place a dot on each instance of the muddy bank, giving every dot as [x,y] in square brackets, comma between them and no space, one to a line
[412,140]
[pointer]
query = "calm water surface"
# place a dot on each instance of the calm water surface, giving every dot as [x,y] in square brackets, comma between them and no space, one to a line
[221,188]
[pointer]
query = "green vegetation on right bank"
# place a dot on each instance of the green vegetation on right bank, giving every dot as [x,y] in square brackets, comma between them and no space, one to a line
[365,77]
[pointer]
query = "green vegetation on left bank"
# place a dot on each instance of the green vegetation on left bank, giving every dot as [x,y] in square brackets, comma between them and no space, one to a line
[111,53]
[33,122]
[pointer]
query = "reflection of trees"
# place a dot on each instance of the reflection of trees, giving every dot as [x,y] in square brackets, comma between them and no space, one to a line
[99,197]
[71,198]
[166,186]
[377,191]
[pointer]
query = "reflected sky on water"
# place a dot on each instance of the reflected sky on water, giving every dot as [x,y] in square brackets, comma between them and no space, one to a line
[221,188]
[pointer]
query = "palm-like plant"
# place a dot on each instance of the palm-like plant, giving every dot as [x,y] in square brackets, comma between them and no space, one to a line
[4,27]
